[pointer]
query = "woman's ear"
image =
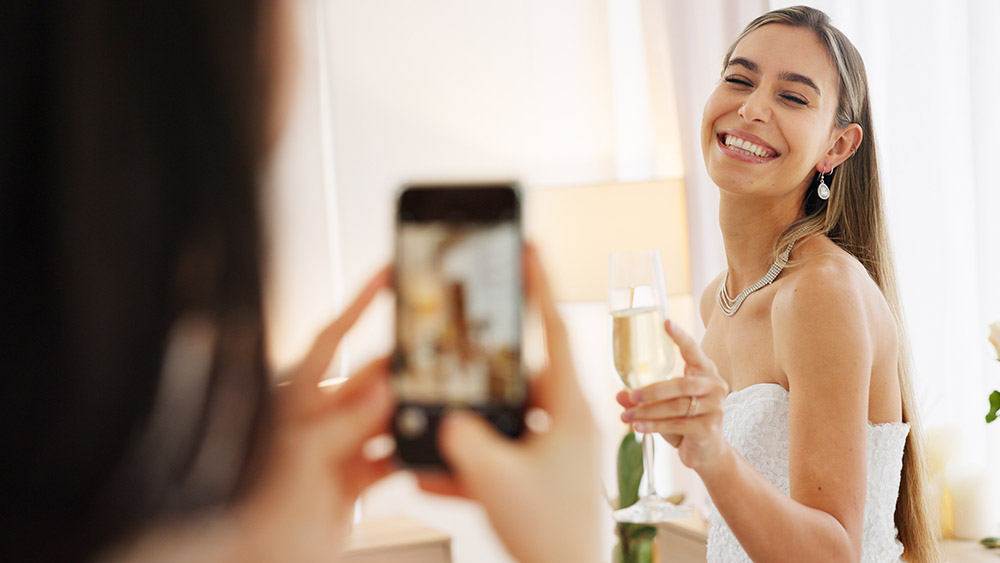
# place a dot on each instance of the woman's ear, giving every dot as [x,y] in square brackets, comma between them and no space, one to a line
[845,142]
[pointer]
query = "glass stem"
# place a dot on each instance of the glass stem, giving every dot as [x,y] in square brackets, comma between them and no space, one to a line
[647,463]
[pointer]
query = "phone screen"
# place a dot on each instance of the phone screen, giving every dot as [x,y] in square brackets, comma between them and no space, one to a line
[458,312]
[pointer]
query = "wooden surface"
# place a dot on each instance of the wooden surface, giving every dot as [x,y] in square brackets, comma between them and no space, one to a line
[682,541]
[396,539]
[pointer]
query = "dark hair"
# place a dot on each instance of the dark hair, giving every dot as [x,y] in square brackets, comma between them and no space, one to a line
[131,135]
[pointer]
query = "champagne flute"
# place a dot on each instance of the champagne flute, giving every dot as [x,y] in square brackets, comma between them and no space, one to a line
[643,354]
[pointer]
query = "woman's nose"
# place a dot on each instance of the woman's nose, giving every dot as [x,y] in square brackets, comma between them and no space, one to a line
[755,110]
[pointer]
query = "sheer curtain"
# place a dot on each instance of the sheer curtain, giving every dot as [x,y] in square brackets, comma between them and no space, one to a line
[933,79]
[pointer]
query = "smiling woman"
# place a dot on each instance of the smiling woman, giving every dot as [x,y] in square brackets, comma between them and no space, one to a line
[819,434]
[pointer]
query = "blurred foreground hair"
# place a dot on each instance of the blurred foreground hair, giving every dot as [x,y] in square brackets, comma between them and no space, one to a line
[132,135]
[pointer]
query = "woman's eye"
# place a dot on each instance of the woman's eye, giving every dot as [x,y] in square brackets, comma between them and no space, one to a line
[795,99]
[738,81]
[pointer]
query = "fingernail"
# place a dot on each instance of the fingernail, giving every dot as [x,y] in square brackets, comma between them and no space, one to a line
[635,396]
[627,416]
[639,426]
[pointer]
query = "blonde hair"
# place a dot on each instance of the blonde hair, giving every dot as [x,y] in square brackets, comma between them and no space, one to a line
[853,218]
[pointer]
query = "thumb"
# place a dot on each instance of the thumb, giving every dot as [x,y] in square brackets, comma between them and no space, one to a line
[472,447]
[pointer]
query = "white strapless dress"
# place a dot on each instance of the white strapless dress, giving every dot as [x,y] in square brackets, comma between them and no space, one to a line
[756,424]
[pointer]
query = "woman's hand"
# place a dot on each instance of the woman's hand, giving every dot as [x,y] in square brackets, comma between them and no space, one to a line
[541,492]
[300,507]
[687,410]
[311,473]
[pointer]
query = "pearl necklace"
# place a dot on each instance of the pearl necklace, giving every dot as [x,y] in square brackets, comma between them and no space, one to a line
[730,304]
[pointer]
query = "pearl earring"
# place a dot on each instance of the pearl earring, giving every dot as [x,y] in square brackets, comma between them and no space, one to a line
[823,191]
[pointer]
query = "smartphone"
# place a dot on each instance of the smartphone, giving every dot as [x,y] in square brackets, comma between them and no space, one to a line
[459,292]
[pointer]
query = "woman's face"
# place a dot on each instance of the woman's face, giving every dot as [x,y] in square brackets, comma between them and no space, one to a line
[769,123]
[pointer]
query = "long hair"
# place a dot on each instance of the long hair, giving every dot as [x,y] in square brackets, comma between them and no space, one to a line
[854,219]
[132,135]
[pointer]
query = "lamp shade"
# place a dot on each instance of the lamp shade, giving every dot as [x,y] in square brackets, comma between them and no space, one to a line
[577,228]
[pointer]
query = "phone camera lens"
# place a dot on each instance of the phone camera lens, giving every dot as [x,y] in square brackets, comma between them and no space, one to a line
[411,422]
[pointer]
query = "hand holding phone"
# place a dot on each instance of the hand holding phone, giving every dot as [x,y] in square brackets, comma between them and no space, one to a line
[458,312]
[542,492]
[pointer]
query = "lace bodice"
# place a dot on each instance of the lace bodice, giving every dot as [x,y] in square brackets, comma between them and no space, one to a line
[756,424]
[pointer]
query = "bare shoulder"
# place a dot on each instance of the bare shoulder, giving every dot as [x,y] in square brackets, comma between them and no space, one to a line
[830,310]
[708,299]
[827,280]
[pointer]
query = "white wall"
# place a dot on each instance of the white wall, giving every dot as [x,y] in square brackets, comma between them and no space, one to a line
[457,89]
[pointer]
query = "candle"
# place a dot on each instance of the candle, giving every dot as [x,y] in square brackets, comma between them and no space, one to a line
[973,502]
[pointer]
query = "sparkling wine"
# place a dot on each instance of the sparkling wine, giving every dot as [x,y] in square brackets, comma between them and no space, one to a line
[643,352]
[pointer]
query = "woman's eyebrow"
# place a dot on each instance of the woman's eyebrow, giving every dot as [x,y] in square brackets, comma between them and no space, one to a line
[787,76]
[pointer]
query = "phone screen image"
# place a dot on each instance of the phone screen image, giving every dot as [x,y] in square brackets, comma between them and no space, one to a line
[458,316]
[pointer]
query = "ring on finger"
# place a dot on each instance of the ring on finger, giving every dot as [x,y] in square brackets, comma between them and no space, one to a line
[692,408]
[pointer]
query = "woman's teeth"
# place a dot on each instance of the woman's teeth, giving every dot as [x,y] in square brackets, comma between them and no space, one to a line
[746,147]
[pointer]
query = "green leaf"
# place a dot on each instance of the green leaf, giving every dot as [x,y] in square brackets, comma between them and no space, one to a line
[635,541]
[631,538]
[618,554]
[644,552]
[994,407]
[640,532]
[629,470]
